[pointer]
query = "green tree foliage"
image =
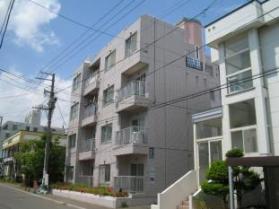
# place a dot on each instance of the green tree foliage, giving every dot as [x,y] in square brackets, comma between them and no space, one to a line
[31,160]
[244,179]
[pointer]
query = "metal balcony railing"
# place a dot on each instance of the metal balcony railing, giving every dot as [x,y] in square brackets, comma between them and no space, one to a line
[89,110]
[132,184]
[133,88]
[92,77]
[87,145]
[130,135]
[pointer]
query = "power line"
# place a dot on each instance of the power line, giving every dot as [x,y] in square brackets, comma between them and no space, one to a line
[83,35]
[6,22]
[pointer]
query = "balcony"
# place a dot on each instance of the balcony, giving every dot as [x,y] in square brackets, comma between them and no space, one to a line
[134,63]
[243,18]
[132,97]
[130,140]
[89,115]
[91,83]
[87,149]
[131,184]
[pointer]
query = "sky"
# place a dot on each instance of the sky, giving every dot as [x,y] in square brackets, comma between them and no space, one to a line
[53,35]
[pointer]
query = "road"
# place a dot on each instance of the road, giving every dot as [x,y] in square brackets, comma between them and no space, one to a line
[12,198]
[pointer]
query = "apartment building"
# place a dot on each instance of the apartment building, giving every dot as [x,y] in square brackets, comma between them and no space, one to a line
[247,53]
[10,147]
[244,43]
[123,130]
[9,128]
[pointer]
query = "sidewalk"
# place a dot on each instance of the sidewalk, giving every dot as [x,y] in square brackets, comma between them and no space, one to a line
[86,205]
[67,201]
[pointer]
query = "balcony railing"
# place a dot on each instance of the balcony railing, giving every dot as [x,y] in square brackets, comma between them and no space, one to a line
[92,77]
[133,88]
[87,145]
[132,184]
[89,110]
[130,135]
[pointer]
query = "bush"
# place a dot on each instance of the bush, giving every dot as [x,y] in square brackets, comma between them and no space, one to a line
[218,171]
[234,153]
[103,191]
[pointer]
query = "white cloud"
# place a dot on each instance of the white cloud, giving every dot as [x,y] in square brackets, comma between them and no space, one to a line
[29,22]
[17,106]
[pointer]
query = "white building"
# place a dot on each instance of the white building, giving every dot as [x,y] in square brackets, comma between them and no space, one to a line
[245,45]
[121,132]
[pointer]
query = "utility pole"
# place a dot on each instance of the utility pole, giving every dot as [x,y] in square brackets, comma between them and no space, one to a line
[50,108]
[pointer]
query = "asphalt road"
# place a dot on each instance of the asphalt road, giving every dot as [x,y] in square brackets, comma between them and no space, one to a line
[13,199]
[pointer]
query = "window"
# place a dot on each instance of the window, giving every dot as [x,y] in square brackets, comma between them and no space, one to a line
[72,141]
[238,64]
[5,127]
[243,126]
[108,95]
[209,128]
[35,129]
[69,173]
[209,69]
[14,127]
[104,174]
[131,45]
[7,135]
[242,114]
[110,60]
[212,95]
[205,82]
[27,128]
[197,52]
[106,133]
[151,153]
[208,151]
[194,63]
[245,140]
[137,169]
[76,82]
[74,111]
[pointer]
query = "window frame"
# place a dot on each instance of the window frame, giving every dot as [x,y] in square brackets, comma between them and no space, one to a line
[72,141]
[129,50]
[242,130]
[238,82]
[104,174]
[104,134]
[107,60]
[105,95]
[76,82]
[74,111]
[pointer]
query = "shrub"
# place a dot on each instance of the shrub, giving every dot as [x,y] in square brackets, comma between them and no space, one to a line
[234,153]
[103,191]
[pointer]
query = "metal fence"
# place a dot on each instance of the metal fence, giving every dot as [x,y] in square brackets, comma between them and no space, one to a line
[132,184]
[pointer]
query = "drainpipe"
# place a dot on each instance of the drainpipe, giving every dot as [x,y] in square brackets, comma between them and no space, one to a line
[231,198]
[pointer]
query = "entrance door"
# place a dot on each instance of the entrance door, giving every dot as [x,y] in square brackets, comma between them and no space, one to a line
[209,151]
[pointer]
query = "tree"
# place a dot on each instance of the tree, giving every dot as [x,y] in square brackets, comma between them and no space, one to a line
[244,179]
[31,160]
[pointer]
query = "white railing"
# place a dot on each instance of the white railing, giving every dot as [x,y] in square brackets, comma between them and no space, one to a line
[172,196]
[87,145]
[132,184]
[92,77]
[130,135]
[89,110]
[133,88]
